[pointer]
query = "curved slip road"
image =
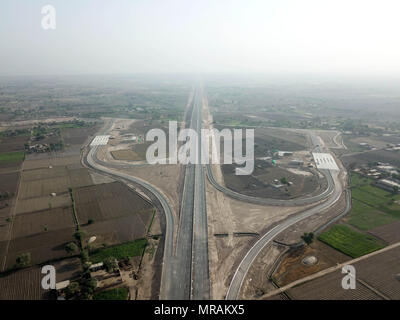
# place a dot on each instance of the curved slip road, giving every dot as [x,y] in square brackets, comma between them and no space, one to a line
[276,202]
[166,277]
[245,264]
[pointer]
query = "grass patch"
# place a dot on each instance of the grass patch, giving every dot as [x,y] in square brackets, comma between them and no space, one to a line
[12,157]
[350,242]
[368,198]
[365,217]
[120,251]
[380,200]
[112,294]
[358,180]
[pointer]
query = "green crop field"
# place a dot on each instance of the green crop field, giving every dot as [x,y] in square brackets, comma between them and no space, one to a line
[350,242]
[12,157]
[365,217]
[112,294]
[358,180]
[372,206]
[121,251]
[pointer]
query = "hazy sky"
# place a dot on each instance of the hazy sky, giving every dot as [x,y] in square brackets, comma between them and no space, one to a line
[217,36]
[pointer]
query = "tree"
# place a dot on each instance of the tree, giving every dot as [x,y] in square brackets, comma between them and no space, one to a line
[90,221]
[72,291]
[110,264]
[395,189]
[23,260]
[71,248]
[88,287]
[308,237]
[78,235]
[284,180]
[84,256]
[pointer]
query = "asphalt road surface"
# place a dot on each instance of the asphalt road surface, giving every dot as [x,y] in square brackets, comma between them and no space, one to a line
[191,273]
[166,278]
[245,264]
[276,202]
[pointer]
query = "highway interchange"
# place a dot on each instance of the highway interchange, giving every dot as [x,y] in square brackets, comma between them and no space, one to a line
[185,272]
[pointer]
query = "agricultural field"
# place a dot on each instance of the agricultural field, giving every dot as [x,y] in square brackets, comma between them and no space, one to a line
[32,223]
[8,185]
[350,242]
[43,203]
[388,232]
[12,157]
[329,288]
[365,217]
[385,156]
[51,162]
[13,144]
[43,223]
[78,135]
[379,272]
[121,251]
[119,214]
[382,272]
[110,201]
[44,246]
[22,285]
[371,206]
[112,294]
[43,182]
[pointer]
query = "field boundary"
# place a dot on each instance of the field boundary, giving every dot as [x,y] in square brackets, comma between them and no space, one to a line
[327,271]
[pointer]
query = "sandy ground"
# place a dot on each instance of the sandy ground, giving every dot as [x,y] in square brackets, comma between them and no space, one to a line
[226,215]
[292,235]
[99,178]
[257,282]
[147,274]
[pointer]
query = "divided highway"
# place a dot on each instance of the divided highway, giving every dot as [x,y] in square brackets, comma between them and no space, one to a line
[185,273]
[191,274]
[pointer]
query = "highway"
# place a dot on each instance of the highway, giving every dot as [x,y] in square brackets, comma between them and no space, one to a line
[185,273]
[191,274]
[200,267]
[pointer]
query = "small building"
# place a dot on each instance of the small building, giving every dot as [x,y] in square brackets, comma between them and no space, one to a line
[387,169]
[387,184]
[62,285]
[296,163]
[96,266]
[284,153]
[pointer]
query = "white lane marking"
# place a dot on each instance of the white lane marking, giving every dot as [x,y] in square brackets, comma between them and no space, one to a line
[100,140]
[325,161]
